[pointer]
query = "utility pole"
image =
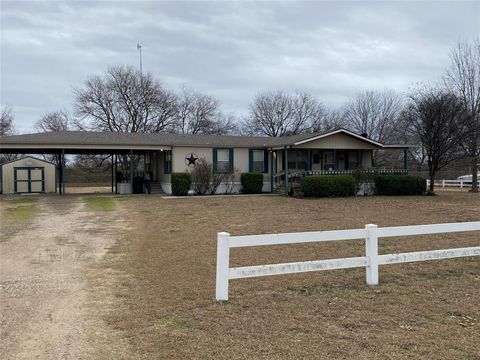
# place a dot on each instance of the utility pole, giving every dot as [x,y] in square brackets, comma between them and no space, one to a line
[139,48]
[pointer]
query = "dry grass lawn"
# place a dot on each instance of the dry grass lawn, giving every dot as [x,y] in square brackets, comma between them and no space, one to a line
[155,288]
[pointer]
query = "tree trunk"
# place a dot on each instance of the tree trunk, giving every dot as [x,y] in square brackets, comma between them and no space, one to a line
[475,174]
[432,182]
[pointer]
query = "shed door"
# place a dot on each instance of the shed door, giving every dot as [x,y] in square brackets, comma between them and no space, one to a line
[29,180]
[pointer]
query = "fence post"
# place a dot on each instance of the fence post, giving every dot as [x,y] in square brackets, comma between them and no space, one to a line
[223,266]
[443,183]
[371,251]
[461,183]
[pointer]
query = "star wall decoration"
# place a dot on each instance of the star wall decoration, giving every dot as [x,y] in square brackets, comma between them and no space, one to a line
[191,159]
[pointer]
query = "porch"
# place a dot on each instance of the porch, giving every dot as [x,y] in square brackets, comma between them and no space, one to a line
[291,164]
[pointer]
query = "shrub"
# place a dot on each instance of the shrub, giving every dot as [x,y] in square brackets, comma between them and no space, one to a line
[327,186]
[202,175]
[252,183]
[400,185]
[181,183]
[207,181]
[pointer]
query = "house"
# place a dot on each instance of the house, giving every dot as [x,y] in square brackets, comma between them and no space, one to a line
[337,151]
[28,175]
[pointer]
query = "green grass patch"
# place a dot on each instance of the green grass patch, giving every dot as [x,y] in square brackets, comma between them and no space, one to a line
[20,200]
[100,203]
[22,213]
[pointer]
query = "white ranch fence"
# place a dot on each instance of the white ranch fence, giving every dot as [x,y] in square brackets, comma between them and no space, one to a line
[452,183]
[370,261]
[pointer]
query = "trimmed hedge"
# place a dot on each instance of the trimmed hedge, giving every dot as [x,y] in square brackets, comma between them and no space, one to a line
[252,183]
[327,186]
[181,183]
[400,185]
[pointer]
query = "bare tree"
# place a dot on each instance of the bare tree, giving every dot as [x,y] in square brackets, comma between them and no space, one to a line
[328,120]
[123,100]
[438,119]
[463,78]
[198,113]
[6,129]
[279,113]
[53,121]
[6,121]
[374,113]
[50,122]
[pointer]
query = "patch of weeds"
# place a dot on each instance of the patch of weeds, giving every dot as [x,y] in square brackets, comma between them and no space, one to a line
[100,203]
[178,323]
[437,318]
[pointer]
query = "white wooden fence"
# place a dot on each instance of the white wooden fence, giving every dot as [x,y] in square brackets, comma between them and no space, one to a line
[452,183]
[370,261]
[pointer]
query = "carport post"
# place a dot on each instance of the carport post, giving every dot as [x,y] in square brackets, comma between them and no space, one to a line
[63,171]
[131,171]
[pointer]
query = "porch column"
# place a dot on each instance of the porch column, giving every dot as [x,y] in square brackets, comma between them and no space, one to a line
[63,171]
[60,174]
[116,170]
[111,155]
[286,170]
[335,159]
[271,170]
[131,171]
[405,159]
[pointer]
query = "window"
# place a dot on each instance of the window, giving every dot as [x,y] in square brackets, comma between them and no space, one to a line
[167,164]
[258,161]
[328,160]
[353,160]
[223,160]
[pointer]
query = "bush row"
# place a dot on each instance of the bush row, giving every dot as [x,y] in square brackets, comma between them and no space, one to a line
[321,186]
[400,185]
[327,186]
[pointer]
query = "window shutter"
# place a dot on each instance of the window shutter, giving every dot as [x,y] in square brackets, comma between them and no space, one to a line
[230,159]
[250,160]
[265,161]
[214,160]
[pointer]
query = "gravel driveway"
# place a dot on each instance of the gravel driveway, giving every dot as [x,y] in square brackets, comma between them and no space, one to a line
[43,263]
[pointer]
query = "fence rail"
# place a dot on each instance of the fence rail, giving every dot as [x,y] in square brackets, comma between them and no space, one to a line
[370,261]
[452,183]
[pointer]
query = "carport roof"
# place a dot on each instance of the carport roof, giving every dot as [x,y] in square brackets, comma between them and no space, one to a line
[147,141]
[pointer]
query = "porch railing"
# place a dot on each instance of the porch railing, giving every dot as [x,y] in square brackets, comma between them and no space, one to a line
[371,172]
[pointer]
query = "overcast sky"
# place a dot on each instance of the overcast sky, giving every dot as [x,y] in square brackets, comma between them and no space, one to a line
[231,50]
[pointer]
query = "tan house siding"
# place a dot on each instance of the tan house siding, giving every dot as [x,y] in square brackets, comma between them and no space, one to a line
[337,141]
[8,174]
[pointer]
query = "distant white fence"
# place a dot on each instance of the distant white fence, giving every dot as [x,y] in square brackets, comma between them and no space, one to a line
[370,261]
[452,183]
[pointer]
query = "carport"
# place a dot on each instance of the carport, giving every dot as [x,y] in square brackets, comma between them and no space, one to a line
[64,143]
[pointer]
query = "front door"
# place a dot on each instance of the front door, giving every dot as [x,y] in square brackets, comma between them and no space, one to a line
[29,180]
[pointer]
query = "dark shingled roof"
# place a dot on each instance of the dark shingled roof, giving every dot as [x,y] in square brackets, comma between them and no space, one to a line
[139,139]
[98,139]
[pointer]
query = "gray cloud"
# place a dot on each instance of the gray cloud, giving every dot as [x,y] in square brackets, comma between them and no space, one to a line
[231,50]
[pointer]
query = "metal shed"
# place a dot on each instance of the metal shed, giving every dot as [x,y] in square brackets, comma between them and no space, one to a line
[28,175]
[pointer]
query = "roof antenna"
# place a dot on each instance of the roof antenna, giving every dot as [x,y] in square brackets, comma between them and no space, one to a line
[139,48]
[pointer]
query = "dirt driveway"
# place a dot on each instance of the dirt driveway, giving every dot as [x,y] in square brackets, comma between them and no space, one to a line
[46,245]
